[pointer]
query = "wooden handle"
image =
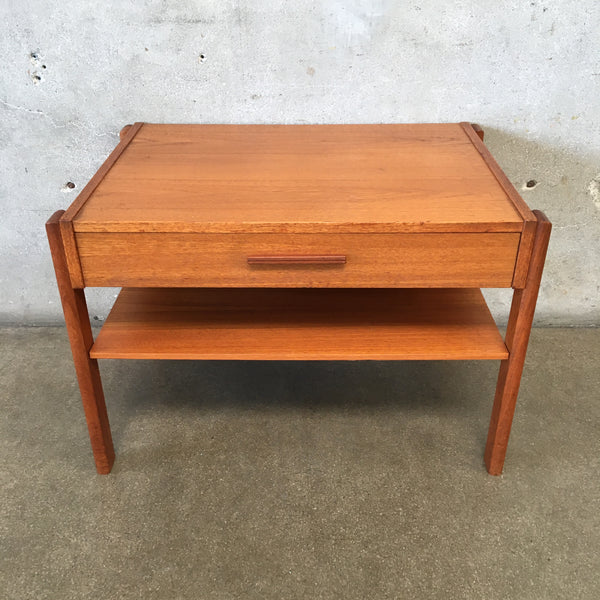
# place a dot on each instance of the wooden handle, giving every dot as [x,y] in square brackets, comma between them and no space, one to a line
[292,259]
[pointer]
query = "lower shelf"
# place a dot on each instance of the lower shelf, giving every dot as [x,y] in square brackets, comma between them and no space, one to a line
[300,324]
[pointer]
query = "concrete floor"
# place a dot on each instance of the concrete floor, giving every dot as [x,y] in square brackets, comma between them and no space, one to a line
[300,480]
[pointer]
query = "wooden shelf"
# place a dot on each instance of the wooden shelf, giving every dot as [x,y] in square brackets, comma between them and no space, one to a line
[300,324]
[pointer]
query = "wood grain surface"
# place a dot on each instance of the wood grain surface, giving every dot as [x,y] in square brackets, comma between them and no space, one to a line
[299,178]
[301,324]
[373,260]
[515,198]
[81,339]
[102,172]
[517,338]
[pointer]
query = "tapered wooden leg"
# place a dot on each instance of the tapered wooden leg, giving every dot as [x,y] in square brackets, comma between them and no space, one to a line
[517,338]
[80,336]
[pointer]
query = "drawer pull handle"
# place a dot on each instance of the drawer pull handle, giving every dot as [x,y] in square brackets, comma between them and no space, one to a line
[290,259]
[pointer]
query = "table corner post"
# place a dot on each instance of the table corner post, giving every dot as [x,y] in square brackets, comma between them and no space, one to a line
[517,338]
[478,130]
[81,339]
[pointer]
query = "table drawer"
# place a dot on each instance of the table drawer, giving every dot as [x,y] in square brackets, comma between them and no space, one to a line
[326,260]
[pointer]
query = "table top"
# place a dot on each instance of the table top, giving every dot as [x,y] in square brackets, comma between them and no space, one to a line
[299,178]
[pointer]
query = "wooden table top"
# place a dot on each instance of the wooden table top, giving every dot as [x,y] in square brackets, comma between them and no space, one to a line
[299,178]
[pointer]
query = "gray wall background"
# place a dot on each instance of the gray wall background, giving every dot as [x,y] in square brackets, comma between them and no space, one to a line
[73,73]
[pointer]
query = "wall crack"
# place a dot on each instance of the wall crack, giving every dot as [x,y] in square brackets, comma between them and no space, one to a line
[56,125]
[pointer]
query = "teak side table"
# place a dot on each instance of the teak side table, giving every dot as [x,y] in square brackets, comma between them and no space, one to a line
[301,242]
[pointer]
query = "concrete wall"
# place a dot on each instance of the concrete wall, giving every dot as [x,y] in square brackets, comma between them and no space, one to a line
[73,73]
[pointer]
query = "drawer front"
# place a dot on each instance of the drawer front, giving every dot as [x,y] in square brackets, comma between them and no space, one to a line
[298,260]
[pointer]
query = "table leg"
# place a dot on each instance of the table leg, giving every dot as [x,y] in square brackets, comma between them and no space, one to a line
[80,336]
[517,338]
